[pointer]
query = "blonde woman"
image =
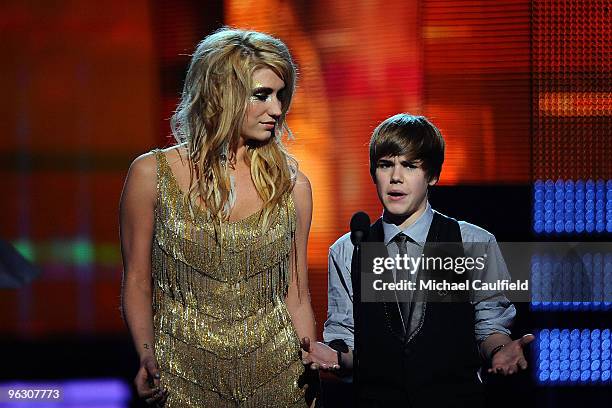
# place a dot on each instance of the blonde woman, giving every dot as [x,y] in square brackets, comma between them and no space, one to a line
[214,233]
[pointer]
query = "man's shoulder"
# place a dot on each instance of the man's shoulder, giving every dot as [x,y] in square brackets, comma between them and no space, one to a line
[342,245]
[473,233]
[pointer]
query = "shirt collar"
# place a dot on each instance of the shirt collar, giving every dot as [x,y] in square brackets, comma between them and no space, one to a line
[418,230]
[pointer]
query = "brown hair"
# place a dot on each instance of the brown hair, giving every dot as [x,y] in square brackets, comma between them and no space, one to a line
[412,136]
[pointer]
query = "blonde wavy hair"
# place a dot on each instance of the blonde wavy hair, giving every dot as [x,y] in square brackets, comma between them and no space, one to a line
[209,119]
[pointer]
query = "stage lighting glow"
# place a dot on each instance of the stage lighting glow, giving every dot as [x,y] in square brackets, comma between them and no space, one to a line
[573,356]
[79,252]
[568,207]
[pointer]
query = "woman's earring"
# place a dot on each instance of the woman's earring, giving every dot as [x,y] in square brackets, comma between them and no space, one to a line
[224,152]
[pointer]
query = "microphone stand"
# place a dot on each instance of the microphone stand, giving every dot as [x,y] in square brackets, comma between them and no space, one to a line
[356,282]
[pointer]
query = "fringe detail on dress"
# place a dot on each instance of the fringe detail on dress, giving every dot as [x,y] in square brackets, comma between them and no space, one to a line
[223,335]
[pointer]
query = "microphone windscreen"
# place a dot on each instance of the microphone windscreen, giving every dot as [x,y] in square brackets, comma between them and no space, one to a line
[360,226]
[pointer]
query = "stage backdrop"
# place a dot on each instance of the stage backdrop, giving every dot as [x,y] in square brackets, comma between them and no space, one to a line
[88,87]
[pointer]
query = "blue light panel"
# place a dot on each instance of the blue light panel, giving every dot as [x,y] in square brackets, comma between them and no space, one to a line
[572,207]
[570,357]
[572,285]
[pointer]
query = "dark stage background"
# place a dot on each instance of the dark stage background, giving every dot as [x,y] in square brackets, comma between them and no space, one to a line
[520,89]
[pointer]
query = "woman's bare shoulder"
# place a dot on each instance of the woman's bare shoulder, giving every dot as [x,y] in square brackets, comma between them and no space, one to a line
[177,157]
[144,166]
[141,181]
[302,184]
[175,153]
[143,170]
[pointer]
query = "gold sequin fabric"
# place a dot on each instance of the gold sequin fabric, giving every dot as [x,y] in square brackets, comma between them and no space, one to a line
[223,335]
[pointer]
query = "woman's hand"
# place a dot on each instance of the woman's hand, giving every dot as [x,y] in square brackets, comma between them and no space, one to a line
[318,355]
[147,383]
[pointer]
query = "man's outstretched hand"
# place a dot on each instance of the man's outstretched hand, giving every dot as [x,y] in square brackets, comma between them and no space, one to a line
[511,359]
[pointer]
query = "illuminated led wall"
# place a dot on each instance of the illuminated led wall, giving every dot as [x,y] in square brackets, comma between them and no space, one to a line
[572,104]
[572,117]
[572,172]
[571,357]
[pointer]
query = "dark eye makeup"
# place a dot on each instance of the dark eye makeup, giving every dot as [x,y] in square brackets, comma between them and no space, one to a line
[263,93]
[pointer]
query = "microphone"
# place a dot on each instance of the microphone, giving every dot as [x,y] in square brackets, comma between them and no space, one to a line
[360,227]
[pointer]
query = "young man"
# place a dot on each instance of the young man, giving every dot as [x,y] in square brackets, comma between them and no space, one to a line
[417,353]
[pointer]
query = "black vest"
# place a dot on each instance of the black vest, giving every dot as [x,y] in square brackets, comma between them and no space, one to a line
[437,366]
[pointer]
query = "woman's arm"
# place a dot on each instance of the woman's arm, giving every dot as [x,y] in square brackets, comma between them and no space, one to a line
[136,230]
[298,297]
[316,354]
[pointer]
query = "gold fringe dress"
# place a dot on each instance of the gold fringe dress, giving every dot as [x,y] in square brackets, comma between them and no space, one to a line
[223,335]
